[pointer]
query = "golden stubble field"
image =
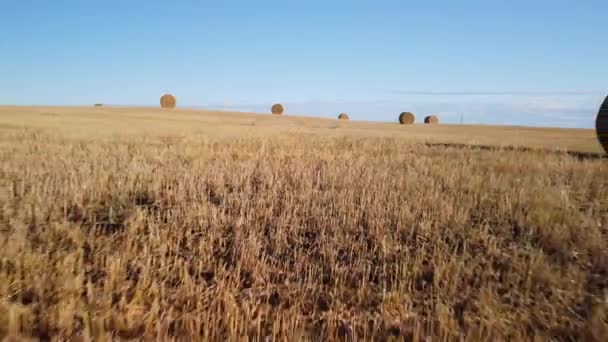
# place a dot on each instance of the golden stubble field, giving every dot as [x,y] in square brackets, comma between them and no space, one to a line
[123,223]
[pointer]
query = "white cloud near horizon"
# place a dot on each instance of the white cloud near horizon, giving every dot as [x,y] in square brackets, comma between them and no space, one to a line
[492,93]
[551,109]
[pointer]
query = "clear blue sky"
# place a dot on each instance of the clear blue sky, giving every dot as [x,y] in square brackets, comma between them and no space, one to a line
[509,62]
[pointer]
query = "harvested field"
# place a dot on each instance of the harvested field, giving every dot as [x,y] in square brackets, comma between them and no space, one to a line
[131,223]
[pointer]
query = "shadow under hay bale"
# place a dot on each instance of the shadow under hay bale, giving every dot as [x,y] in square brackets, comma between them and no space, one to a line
[277,109]
[601,125]
[168,101]
[407,118]
[343,116]
[431,119]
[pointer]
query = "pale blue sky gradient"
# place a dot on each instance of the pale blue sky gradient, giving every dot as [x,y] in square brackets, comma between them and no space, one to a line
[507,62]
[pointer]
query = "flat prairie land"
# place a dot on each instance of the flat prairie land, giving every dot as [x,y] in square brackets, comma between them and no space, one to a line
[113,122]
[149,224]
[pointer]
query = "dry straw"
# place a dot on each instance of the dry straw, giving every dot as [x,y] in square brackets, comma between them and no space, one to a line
[431,119]
[168,101]
[407,118]
[277,109]
[343,116]
[601,125]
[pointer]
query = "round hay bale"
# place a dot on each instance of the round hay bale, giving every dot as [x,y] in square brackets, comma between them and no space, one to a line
[431,119]
[343,116]
[168,101]
[601,125]
[277,109]
[407,118]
